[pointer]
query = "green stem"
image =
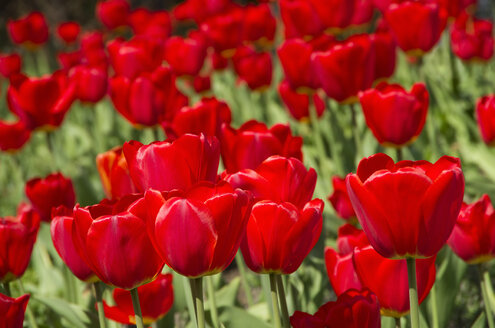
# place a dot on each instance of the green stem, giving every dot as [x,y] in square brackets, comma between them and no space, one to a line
[6,286]
[137,308]
[188,290]
[213,303]
[99,304]
[29,312]
[397,323]
[455,74]
[274,296]
[489,289]
[484,292]
[334,150]
[156,133]
[355,133]
[400,155]
[70,283]
[51,147]
[283,301]
[434,307]
[413,292]
[265,284]
[197,288]
[242,272]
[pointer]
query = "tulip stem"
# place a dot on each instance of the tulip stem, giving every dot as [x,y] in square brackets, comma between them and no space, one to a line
[283,301]
[137,308]
[484,293]
[455,73]
[29,312]
[398,323]
[197,294]
[6,287]
[434,307]
[213,303]
[400,155]
[274,296]
[334,150]
[413,292]
[489,289]
[99,304]
[242,272]
[355,132]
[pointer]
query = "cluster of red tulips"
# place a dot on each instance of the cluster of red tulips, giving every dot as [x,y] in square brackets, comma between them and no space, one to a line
[214,189]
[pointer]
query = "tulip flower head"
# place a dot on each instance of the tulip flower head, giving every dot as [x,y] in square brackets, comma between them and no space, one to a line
[485,115]
[12,310]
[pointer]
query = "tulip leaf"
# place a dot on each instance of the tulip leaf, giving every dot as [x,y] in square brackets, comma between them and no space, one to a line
[239,318]
[480,321]
[74,314]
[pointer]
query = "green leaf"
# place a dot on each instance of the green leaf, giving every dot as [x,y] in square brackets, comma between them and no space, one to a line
[74,314]
[240,318]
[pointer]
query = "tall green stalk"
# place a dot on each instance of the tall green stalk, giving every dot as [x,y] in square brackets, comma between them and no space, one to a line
[283,301]
[197,293]
[137,308]
[413,292]
[213,303]
[274,296]
[484,292]
[99,304]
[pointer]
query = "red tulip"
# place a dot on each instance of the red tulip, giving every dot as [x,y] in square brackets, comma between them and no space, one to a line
[91,83]
[340,199]
[339,265]
[278,179]
[61,232]
[224,31]
[254,68]
[298,103]
[172,165]
[30,30]
[456,7]
[473,237]
[113,13]
[67,60]
[12,310]
[407,209]
[300,19]
[148,99]
[396,117]
[17,238]
[201,84]
[385,54]
[295,57]
[68,31]
[218,62]
[472,38]
[424,28]
[156,298]
[253,142]
[363,12]
[334,14]
[199,10]
[112,238]
[198,233]
[114,173]
[50,192]
[186,56]
[352,309]
[155,24]
[377,273]
[13,135]
[206,117]
[346,68]
[10,64]
[485,115]
[41,102]
[136,56]
[259,24]
[279,235]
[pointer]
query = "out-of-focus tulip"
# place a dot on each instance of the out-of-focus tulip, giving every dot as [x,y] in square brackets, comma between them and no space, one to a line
[376,273]
[473,237]
[396,117]
[472,38]
[156,298]
[136,56]
[349,237]
[218,62]
[30,30]
[41,102]
[12,310]
[279,235]
[201,84]
[407,209]
[13,135]
[170,165]
[346,68]
[148,99]
[10,64]
[61,232]
[206,117]
[363,12]
[114,173]
[91,83]
[334,14]
[295,57]
[300,19]
[248,146]
[68,31]
[70,59]
[17,237]
[254,68]
[199,10]
[424,28]
[215,218]
[112,239]
[155,24]
[259,24]
[485,115]
[277,179]
[353,309]
[456,7]
[298,103]
[50,192]
[186,55]
[340,199]
[224,31]
[385,54]
[113,13]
